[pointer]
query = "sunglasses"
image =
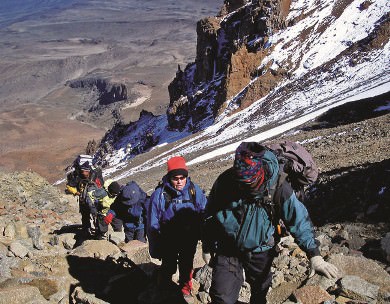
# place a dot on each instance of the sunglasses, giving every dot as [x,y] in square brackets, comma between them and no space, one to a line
[177,178]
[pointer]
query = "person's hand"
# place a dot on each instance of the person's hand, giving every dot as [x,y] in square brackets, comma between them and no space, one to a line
[318,264]
[77,193]
[108,218]
[206,257]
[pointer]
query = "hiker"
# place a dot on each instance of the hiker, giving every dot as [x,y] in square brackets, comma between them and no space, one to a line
[99,202]
[240,229]
[130,207]
[174,221]
[83,179]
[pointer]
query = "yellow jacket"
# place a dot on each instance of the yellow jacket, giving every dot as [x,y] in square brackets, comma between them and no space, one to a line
[100,198]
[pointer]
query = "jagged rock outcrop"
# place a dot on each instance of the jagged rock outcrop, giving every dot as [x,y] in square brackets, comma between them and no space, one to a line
[108,92]
[142,137]
[229,50]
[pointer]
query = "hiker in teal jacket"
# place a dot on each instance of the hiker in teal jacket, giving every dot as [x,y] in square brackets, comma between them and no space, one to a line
[240,230]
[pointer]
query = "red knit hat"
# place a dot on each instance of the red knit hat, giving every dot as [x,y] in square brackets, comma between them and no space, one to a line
[177,166]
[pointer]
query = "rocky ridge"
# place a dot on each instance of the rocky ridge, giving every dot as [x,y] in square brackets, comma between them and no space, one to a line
[45,260]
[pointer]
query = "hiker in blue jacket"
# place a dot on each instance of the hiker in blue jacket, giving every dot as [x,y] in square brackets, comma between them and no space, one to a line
[174,222]
[130,207]
[241,217]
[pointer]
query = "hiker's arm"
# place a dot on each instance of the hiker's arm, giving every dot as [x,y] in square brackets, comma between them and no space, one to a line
[298,222]
[153,213]
[109,216]
[153,225]
[72,190]
[208,227]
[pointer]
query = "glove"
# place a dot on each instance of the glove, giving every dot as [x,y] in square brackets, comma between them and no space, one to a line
[108,218]
[206,257]
[318,264]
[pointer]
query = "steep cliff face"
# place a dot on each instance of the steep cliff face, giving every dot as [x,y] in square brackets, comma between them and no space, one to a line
[230,47]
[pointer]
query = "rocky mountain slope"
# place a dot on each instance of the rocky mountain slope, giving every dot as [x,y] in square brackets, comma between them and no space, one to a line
[43,259]
[261,65]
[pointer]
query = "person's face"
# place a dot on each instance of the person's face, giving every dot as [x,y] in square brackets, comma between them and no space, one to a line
[85,173]
[178,181]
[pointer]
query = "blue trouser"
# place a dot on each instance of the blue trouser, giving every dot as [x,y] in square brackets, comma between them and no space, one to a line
[134,234]
[228,277]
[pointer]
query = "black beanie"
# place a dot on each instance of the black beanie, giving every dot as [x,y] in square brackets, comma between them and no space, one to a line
[114,188]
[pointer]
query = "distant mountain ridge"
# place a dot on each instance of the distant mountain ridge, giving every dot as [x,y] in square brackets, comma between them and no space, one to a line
[263,63]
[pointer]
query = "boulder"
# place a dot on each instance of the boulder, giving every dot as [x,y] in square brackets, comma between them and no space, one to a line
[364,268]
[18,249]
[116,237]
[100,249]
[312,295]
[67,240]
[136,251]
[358,289]
[21,294]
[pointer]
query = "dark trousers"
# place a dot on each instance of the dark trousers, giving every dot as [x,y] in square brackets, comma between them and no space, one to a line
[228,277]
[178,252]
[87,219]
[132,234]
[102,227]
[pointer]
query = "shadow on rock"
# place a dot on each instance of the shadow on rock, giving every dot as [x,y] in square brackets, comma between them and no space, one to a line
[110,280]
[353,112]
[76,228]
[351,195]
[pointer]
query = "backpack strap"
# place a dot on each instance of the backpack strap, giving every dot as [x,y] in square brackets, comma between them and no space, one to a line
[272,203]
[168,196]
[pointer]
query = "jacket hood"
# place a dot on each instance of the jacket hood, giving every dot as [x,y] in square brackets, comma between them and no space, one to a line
[130,194]
[272,167]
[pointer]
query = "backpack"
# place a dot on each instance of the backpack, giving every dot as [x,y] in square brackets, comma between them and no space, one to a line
[82,159]
[168,196]
[297,163]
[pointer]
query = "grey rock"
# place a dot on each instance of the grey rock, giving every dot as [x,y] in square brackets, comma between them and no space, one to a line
[364,268]
[385,246]
[116,237]
[3,250]
[10,231]
[356,288]
[67,240]
[322,281]
[6,263]
[277,279]
[204,297]
[136,251]
[34,233]
[203,276]
[96,249]
[18,249]
[80,296]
